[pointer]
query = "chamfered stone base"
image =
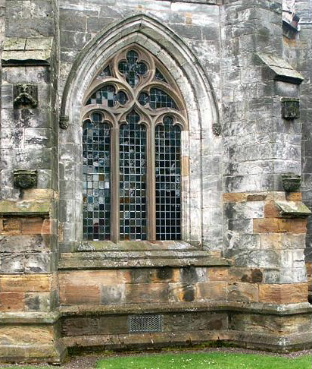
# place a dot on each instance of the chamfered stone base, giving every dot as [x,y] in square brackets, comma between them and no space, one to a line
[32,343]
[278,328]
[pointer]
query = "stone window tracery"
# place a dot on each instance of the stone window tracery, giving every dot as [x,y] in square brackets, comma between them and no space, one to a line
[133,120]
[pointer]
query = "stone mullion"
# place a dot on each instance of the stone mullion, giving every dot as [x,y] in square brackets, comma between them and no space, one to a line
[115,218]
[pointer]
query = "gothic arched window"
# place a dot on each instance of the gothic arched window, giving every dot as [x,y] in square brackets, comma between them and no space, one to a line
[134,117]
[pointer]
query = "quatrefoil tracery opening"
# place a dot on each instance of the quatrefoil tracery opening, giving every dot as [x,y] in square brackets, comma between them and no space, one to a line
[134,79]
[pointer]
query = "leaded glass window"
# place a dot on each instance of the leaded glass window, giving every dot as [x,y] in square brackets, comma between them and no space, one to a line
[96,179]
[168,180]
[134,117]
[132,166]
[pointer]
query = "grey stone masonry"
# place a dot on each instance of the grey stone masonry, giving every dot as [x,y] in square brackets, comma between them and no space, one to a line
[224,240]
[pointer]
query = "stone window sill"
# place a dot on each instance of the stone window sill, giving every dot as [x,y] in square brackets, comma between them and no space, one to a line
[139,254]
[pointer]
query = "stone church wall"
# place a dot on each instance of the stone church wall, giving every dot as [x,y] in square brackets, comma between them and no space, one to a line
[239,276]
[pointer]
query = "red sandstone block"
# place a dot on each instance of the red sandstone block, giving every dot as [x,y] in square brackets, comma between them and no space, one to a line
[12,301]
[283,293]
[268,225]
[94,277]
[11,226]
[256,197]
[309,269]
[234,197]
[211,291]
[80,295]
[47,227]
[32,225]
[294,196]
[146,293]
[297,225]
[243,292]
[274,225]
[25,283]
[218,274]
[271,210]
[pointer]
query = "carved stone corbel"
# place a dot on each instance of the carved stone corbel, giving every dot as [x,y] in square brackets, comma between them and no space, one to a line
[216,129]
[25,96]
[24,179]
[290,108]
[64,121]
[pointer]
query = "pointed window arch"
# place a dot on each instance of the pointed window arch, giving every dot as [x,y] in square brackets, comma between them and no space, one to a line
[134,116]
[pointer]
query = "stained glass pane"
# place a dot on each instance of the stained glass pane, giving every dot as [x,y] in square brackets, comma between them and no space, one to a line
[96,179]
[132,69]
[108,97]
[168,180]
[133,180]
[159,76]
[157,99]
[106,72]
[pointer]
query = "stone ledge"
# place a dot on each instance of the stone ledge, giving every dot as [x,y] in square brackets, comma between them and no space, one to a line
[29,317]
[25,208]
[234,197]
[138,259]
[135,246]
[266,342]
[27,51]
[281,70]
[293,209]
[219,306]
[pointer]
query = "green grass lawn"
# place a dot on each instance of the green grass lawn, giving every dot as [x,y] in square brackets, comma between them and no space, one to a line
[210,360]
[206,361]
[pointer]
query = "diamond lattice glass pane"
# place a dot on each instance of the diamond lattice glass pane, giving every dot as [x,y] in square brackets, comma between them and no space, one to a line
[132,69]
[108,97]
[96,179]
[133,180]
[168,180]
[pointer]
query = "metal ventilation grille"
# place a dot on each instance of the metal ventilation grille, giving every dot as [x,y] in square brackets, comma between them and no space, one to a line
[145,323]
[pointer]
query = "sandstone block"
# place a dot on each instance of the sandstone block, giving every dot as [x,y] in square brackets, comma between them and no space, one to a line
[25,283]
[181,292]
[294,196]
[211,291]
[243,292]
[271,210]
[256,197]
[12,301]
[80,295]
[218,274]
[94,277]
[273,225]
[32,225]
[283,293]
[11,226]
[234,197]
[146,293]
[26,335]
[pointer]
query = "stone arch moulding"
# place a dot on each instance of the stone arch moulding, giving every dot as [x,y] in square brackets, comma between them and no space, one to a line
[184,67]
